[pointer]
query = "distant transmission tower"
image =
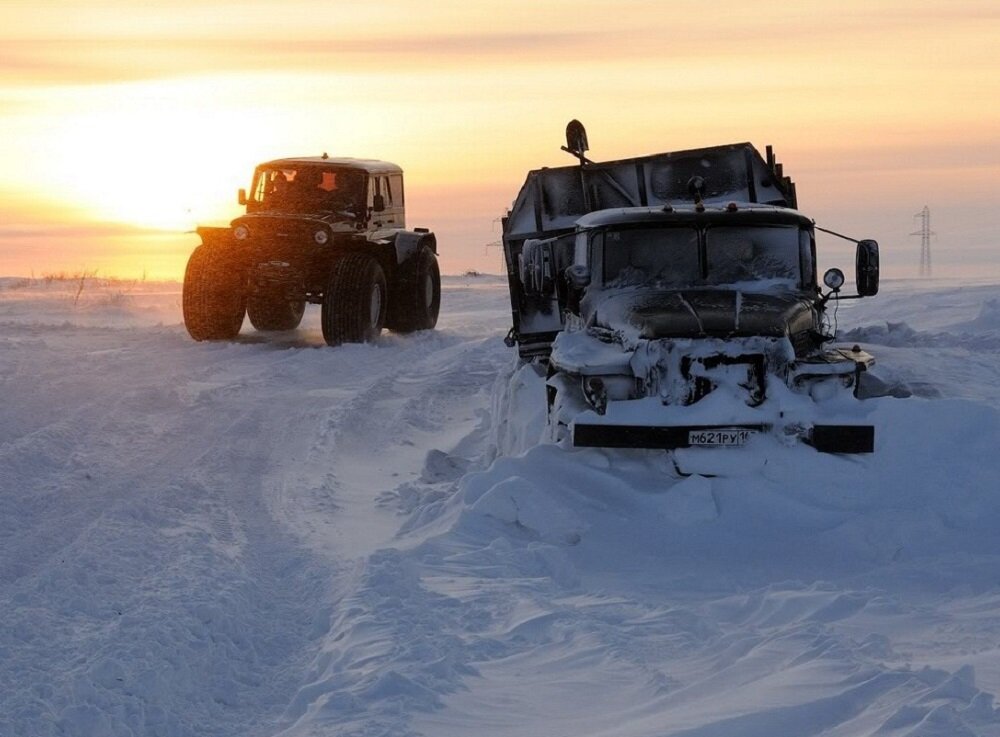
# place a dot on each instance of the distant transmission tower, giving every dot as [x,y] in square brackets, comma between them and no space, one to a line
[925,234]
[503,259]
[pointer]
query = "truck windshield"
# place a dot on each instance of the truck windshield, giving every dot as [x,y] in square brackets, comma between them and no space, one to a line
[310,189]
[664,256]
[672,258]
[754,254]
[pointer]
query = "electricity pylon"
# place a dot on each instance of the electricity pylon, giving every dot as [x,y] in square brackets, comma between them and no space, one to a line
[925,234]
[503,259]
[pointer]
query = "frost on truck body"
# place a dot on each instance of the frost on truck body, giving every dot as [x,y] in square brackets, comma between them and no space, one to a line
[672,281]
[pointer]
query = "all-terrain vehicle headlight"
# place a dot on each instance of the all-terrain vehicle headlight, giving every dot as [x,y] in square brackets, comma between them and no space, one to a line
[241,233]
[321,237]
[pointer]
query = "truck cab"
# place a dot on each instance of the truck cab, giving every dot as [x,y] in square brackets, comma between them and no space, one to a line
[650,289]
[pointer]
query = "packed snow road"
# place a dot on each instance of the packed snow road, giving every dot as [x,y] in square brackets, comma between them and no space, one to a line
[272,537]
[180,520]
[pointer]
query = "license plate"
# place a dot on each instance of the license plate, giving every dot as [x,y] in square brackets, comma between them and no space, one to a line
[720,436]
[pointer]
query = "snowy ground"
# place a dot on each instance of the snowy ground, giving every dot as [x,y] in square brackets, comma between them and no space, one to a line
[270,537]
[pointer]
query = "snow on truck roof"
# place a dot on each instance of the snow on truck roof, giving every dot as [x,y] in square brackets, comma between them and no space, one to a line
[372,166]
[553,199]
[736,213]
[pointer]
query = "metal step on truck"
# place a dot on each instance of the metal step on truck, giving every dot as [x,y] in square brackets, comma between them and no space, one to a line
[672,301]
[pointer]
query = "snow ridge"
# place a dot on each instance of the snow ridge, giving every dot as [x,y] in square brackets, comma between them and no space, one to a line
[271,538]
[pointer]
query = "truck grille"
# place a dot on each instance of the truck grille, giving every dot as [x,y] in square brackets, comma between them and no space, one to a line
[745,374]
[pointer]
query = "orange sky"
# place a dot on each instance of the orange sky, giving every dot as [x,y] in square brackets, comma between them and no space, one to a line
[125,123]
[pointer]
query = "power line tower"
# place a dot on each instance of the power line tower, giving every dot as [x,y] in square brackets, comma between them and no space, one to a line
[503,259]
[498,244]
[925,234]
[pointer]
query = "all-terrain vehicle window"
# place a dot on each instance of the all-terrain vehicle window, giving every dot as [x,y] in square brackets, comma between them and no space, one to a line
[396,183]
[743,254]
[310,189]
[662,256]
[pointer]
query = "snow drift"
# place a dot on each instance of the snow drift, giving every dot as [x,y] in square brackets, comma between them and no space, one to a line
[267,537]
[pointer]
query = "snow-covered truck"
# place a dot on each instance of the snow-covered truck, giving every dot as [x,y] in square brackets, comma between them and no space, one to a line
[672,301]
[319,230]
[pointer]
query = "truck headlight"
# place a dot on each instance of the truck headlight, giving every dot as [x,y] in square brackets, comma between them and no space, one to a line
[241,233]
[321,237]
[596,393]
[834,278]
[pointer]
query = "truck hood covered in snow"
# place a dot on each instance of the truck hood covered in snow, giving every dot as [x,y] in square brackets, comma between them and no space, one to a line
[692,313]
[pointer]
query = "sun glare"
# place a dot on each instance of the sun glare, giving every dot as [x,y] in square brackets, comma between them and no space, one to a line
[156,156]
[170,154]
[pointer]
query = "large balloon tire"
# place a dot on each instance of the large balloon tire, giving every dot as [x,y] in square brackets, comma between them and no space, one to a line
[355,300]
[417,298]
[214,297]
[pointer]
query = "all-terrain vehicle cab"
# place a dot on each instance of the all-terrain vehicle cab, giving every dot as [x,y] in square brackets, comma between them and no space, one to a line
[317,230]
[673,301]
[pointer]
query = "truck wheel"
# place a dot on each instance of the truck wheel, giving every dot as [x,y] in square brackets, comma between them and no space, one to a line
[418,296]
[214,295]
[274,312]
[355,300]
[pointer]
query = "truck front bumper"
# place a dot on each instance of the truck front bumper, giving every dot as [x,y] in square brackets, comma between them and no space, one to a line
[825,438]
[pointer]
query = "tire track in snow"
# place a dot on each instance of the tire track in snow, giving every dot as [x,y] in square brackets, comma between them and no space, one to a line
[168,581]
[365,442]
[385,653]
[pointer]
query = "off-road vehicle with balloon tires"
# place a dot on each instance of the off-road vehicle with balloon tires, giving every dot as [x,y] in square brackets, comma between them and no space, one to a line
[319,230]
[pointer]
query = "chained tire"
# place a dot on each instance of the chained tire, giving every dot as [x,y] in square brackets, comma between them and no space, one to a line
[417,298]
[214,298]
[275,312]
[355,300]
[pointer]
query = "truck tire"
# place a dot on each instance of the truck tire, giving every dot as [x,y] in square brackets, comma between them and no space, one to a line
[275,312]
[214,295]
[355,300]
[417,298]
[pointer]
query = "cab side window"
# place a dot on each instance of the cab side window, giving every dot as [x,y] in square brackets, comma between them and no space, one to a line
[396,183]
[390,189]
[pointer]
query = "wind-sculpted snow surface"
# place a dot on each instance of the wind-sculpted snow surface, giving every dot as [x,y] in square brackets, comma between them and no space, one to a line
[982,333]
[803,594]
[266,538]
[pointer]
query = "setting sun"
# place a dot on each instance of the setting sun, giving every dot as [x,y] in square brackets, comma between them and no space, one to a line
[138,167]
[140,156]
